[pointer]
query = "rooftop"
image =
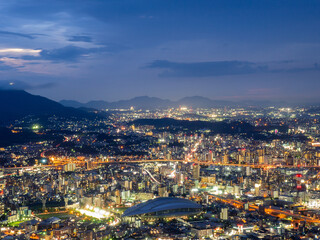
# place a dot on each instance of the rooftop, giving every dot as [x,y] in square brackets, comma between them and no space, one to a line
[161,204]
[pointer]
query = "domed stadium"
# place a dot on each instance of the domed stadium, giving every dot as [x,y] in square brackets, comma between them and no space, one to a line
[163,207]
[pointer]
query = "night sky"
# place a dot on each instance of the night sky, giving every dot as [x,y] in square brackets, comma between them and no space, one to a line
[118,49]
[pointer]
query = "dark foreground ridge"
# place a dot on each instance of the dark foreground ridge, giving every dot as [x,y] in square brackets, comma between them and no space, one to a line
[16,104]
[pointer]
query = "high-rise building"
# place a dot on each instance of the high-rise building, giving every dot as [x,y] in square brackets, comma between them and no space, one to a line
[257,189]
[88,165]
[128,185]
[196,171]
[261,159]
[225,158]
[162,191]
[69,167]
[224,214]
[239,158]
[210,156]
[248,171]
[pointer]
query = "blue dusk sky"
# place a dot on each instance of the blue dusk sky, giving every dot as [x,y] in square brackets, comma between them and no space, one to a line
[118,49]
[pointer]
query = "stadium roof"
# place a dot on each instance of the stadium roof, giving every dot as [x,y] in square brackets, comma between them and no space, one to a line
[161,204]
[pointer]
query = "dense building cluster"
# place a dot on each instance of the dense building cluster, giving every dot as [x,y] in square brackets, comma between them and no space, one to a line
[227,173]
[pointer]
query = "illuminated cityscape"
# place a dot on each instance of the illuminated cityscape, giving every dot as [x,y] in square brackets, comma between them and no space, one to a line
[159,119]
[238,172]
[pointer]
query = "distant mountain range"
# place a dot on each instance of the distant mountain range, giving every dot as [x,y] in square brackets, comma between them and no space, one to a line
[16,104]
[146,102]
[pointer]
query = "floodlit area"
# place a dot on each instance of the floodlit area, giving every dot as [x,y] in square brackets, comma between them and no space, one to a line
[94,212]
[98,213]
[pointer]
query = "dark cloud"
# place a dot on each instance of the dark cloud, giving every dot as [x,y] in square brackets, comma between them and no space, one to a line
[206,69]
[22,85]
[219,68]
[73,53]
[315,67]
[79,38]
[68,53]
[65,54]
[15,34]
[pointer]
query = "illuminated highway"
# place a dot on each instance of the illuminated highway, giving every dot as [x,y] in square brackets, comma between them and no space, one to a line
[155,180]
[59,163]
[270,211]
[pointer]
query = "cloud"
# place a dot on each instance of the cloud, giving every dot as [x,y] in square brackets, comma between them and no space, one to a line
[12,58]
[22,85]
[206,69]
[4,67]
[219,68]
[15,34]
[68,53]
[65,54]
[80,39]
[19,51]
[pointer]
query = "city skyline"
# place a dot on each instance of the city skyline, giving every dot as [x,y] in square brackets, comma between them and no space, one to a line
[159,119]
[111,50]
